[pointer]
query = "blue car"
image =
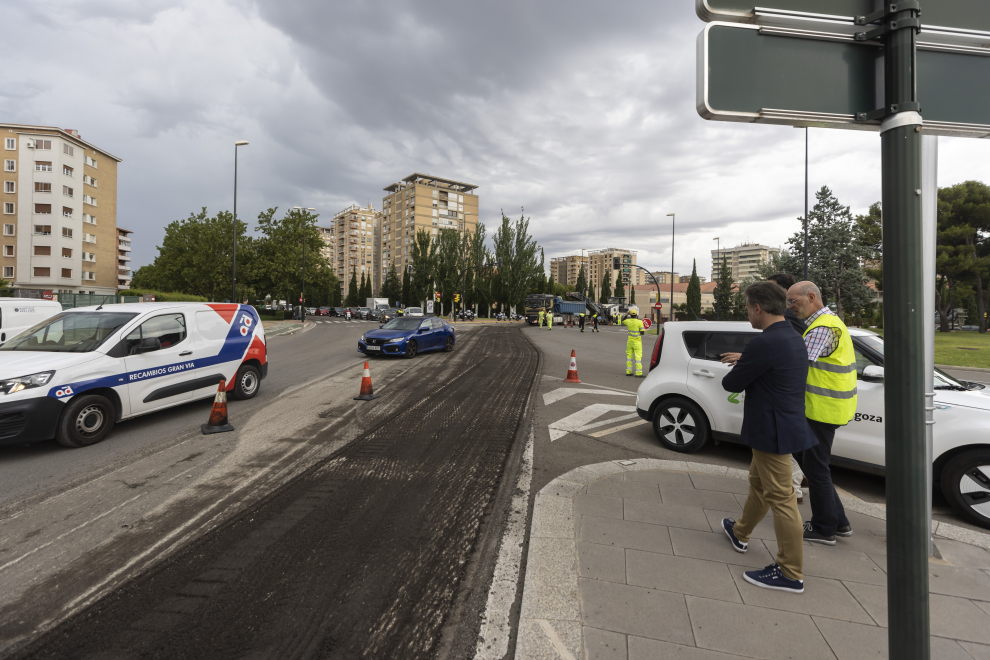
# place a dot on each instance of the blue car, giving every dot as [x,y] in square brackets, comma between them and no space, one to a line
[408,336]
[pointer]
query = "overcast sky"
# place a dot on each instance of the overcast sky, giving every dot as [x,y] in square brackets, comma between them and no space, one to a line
[581,112]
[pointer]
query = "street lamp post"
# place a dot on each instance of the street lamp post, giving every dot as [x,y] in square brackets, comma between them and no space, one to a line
[302,306]
[718,307]
[233,261]
[806,203]
[464,265]
[673,220]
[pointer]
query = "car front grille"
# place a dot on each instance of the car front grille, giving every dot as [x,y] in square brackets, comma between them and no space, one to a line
[11,424]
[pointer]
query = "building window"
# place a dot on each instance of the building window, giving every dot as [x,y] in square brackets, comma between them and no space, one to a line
[10,166]
[10,144]
[43,209]
[90,161]
[8,208]
[8,250]
[89,219]
[68,150]
[42,166]
[42,272]
[66,212]
[66,273]
[89,200]
[66,170]
[67,232]
[8,272]
[67,191]
[44,145]
[8,230]
[42,250]
[40,187]
[87,179]
[10,186]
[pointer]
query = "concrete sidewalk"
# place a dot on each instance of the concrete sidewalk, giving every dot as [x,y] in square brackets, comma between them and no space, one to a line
[628,562]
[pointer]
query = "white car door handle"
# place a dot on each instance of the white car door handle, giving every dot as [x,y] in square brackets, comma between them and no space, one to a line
[704,372]
[185,353]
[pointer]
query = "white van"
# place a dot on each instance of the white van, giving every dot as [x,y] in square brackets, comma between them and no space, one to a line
[74,375]
[19,314]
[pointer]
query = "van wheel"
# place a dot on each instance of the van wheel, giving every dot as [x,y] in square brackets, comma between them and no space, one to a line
[86,420]
[966,484]
[248,382]
[680,426]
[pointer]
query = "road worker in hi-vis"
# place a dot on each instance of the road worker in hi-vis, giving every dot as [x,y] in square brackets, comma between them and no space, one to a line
[550,320]
[634,342]
[542,314]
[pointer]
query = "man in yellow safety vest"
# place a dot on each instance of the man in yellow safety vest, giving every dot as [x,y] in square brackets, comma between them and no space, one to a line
[634,342]
[829,401]
[541,315]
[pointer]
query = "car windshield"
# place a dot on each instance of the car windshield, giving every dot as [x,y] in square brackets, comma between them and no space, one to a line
[943,381]
[414,310]
[402,324]
[72,332]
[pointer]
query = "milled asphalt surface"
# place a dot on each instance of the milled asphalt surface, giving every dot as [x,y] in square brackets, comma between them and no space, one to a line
[359,555]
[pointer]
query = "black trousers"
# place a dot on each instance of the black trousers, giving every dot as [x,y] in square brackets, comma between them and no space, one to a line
[827,512]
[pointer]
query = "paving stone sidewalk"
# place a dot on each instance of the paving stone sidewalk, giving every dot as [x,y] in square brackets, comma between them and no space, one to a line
[628,562]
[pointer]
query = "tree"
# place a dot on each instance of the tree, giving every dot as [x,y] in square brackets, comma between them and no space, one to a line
[582,281]
[352,290]
[834,255]
[424,257]
[869,235]
[694,291]
[406,293]
[606,288]
[392,287]
[963,249]
[278,262]
[632,294]
[723,291]
[515,249]
[620,287]
[551,285]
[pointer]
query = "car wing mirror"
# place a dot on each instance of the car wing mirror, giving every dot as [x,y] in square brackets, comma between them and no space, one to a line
[873,374]
[381,326]
[423,329]
[147,345]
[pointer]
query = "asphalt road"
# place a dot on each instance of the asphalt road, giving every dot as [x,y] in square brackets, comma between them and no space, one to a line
[30,470]
[601,367]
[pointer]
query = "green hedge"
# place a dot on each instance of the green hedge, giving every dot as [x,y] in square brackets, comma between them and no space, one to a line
[164,296]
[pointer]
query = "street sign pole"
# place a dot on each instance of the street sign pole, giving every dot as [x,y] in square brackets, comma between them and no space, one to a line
[904,382]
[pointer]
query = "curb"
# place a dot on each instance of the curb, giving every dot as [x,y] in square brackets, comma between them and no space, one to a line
[550,618]
[975,370]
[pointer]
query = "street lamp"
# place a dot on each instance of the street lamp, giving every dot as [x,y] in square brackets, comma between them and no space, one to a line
[464,264]
[233,261]
[302,307]
[673,220]
[718,251]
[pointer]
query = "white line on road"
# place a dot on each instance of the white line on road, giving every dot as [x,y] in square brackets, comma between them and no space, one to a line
[581,418]
[555,640]
[599,434]
[493,638]
[560,393]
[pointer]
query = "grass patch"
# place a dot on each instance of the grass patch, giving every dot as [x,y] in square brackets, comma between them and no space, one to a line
[961,349]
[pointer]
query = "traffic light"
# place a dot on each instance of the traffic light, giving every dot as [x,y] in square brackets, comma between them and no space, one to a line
[457,297]
[436,294]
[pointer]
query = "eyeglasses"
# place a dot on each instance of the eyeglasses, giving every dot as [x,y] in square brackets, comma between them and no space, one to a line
[790,303]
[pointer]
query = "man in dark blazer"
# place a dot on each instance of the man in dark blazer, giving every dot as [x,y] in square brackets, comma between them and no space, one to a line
[772,370]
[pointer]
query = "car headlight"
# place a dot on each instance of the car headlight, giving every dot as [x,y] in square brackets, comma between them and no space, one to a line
[11,385]
[396,340]
[363,338]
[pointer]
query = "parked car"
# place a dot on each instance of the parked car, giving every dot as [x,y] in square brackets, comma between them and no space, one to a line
[408,337]
[413,311]
[323,311]
[73,376]
[311,311]
[683,399]
[375,314]
[362,312]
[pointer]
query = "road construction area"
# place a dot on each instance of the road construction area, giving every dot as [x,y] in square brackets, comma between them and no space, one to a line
[324,527]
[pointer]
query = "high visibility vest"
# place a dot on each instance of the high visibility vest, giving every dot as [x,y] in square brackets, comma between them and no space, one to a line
[830,393]
[634,328]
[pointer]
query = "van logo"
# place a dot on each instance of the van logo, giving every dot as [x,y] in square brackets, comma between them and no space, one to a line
[247,320]
[734,397]
[244,331]
[64,391]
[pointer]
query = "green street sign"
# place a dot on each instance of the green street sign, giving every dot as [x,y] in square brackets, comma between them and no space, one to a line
[959,21]
[750,73]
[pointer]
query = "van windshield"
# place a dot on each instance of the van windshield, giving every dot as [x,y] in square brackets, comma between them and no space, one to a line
[79,332]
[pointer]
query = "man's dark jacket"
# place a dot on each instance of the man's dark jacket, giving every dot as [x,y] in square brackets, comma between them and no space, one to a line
[795,322]
[773,371]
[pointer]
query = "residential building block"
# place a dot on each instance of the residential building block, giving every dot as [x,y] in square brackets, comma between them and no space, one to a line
[744,260]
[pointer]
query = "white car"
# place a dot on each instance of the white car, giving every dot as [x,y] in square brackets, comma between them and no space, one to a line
[683,399]
[74,375]
[413,311]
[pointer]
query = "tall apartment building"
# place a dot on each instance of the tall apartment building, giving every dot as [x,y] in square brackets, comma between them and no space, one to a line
[356,232]
[426,202]
[603,261]
[565,270]
[326,235]
[59,211]
[686,279]
[663,277]
[744,260]
[123,258]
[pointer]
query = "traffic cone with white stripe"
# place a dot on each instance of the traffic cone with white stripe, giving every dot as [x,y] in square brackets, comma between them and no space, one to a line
[572,376]
[366,392]
[218,414]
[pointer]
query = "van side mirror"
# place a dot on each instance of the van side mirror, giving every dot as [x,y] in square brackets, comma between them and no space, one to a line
[873,374]
[147,345]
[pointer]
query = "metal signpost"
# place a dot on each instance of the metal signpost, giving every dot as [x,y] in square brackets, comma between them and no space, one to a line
[860,64]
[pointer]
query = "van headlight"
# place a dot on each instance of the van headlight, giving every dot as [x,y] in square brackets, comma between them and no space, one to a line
[11,385]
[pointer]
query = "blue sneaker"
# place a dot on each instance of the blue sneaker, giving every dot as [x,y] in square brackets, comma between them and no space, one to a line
[772,577]
[737,545]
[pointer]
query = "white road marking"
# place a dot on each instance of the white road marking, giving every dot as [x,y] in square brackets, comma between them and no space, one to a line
[555,640]
[599,434]
[560,393]
[606,422]
[576,421]
[493,638]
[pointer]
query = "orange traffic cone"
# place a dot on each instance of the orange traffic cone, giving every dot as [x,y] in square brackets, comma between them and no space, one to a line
[572,376]
[366,391]
[218,415]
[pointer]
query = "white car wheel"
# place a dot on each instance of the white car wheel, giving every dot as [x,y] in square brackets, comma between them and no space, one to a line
[966,484]
[680,426]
